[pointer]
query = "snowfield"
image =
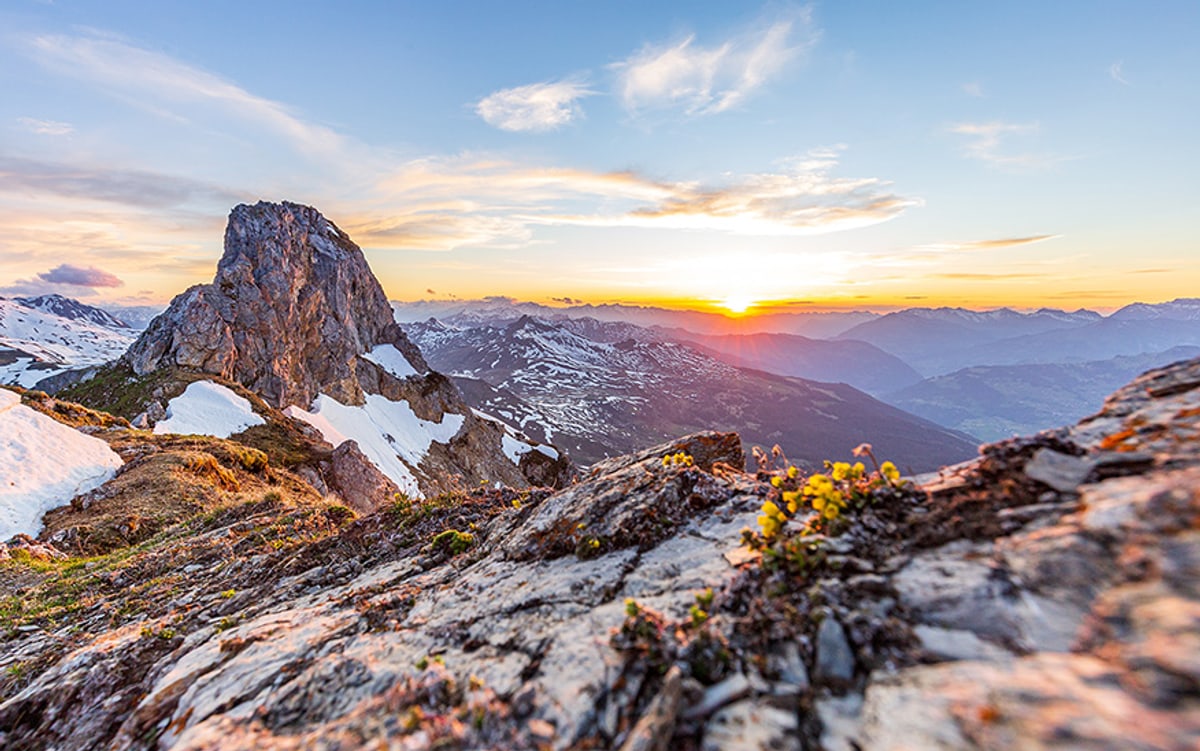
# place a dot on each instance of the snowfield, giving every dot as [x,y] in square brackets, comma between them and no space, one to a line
[389,433]
[43,465]
[390,359]
[207,408]
[58,343]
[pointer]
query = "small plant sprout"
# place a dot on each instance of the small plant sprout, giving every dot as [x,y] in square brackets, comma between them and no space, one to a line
[701,609]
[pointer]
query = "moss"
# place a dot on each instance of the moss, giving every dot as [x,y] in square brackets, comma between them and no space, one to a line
[116,389]
[453,541]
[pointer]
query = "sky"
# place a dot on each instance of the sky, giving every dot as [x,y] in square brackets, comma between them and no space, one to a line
[714,155]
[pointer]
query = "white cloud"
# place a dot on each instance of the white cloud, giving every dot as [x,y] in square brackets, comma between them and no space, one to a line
[991,143]
[973,88]
[45,127]
[706,80]
[1116,73]
[535,107]
[157,81]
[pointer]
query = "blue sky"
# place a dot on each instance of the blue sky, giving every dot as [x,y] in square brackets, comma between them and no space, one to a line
[833,154]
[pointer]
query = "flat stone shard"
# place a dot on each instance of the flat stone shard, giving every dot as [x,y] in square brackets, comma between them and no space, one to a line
[1062,472]
[363,487]
[835,659]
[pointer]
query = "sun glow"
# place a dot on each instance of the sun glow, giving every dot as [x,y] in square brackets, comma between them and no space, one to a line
[739,283]
[738,304]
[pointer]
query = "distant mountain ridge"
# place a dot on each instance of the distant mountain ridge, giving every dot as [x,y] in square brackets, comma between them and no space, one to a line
[936,341]
[73,310]
[495,310]
[37,343]
[994,402]
[605,398]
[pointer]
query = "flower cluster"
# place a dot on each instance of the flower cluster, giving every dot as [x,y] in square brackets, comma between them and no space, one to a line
[678,459]
[830,493]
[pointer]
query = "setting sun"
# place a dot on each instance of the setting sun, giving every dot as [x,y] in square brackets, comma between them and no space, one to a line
[738,303]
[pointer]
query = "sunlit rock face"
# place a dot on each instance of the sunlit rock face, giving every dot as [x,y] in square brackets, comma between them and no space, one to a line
[293,306]
[295,315]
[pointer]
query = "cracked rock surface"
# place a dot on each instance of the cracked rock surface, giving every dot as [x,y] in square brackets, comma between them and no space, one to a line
[1046,595]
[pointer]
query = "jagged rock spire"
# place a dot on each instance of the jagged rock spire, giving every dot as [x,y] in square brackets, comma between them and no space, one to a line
[292,306]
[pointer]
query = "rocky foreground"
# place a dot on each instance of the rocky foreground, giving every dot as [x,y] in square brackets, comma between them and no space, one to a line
[1046,595]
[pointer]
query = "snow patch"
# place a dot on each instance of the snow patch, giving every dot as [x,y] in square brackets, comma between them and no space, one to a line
[390,359]
[513,448]
[208,408]
[389,433]
[44,464]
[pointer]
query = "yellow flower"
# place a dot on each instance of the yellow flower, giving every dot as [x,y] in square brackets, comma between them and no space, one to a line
[818,503]
[792,499]
[792,472]
[776,481]
[770,526]
[889,471]
[770,508]
[841,470]
[831,511]
[817,484]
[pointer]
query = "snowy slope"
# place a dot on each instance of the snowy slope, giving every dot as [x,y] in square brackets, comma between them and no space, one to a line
[207,408]
[35,344]
[43,464]
[389,433]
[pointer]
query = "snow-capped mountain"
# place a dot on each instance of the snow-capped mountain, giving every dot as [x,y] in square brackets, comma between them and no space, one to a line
[601,398]
[73,310]
[36,344]
[135,316]
[1180,309]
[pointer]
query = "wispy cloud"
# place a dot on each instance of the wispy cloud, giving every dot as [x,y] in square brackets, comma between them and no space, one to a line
[534,107]
[991,142]
[45,127]
[974,276]
[992,244]
[457,202]
[97,183]
[1116,73]
[158,81]
[973,88]
[707,79]
[80,276]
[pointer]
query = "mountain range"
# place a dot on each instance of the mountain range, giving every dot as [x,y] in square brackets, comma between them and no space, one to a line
[272,523]
[46,337]
[601,399]
[993,402]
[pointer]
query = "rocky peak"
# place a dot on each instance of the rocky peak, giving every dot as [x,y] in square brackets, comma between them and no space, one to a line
[295,315]
[72,309]
[292,307]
